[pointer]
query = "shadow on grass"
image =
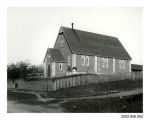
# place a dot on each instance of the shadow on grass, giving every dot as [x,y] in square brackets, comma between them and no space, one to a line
[127,104]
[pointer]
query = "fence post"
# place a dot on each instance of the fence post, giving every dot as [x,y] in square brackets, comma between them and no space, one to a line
[54,85]
[57,84]
[74,81]
[67,82]
[78,81]
[62,83]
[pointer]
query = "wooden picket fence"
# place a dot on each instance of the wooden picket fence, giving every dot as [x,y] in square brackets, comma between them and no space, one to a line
[52,84]
[79,80]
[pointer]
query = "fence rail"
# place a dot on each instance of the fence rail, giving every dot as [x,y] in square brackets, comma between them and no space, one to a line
[35,76]
[76,80]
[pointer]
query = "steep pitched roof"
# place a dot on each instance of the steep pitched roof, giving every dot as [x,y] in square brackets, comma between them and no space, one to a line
[87,43]
[55,55]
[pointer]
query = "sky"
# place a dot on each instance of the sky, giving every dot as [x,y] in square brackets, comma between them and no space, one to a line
[30,31]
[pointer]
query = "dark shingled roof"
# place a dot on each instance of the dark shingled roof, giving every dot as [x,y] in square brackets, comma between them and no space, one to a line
[136,67]
[55,55]
[87,43]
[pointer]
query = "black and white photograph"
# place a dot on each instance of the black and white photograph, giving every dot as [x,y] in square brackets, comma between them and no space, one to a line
[74,60]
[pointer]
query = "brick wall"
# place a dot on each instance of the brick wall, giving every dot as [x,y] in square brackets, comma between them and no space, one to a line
[100,68]
[85,68]
[117,68]
[106,70]
[65,48]
[60,72]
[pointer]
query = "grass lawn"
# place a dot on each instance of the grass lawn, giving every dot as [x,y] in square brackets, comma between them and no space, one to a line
[96,89]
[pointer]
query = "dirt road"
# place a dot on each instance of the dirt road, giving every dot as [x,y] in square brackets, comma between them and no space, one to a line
[15,107]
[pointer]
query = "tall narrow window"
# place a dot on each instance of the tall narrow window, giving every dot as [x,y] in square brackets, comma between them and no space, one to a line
[60,66]
[107,62]
[104,62]
[83,60]
[69,60]
[87,60]
[121,64]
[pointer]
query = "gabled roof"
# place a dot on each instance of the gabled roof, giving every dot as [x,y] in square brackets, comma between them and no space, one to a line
[87,43]
[55,55]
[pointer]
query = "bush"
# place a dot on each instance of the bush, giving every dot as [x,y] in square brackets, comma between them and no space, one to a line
[21,69]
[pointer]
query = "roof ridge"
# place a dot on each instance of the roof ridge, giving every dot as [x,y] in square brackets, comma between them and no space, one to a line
[89,32]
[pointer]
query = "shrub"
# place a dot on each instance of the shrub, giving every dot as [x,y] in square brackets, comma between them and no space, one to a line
[21,69]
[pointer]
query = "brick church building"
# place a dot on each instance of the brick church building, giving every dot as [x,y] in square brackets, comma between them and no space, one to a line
[81,52]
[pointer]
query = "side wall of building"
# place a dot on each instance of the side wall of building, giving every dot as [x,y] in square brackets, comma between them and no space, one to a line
[60,72]
[96,65]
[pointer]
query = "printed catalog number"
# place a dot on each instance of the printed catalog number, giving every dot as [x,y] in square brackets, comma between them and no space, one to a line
[131,116]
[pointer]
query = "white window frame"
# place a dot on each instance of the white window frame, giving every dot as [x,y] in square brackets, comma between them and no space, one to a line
[122,64]
[83,60]
[60,66]
[87,60]
[69,60]
[103,62]
[107,62]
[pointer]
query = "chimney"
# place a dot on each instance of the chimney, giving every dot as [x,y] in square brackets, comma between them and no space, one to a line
[72,25]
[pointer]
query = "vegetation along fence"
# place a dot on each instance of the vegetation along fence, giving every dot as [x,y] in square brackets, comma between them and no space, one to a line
[76,80]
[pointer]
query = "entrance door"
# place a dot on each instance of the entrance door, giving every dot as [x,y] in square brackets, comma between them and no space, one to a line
[49,70]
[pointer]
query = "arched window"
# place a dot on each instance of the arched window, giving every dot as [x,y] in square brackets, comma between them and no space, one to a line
[121,64]
[104,62]
[69,60]
[83,60]
[87,60]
